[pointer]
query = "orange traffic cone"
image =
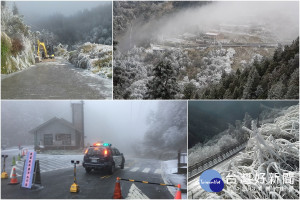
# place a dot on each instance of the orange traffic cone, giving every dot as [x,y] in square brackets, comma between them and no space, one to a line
[23,153]
[117,192]
[178,192]
[12,170]
[14,180]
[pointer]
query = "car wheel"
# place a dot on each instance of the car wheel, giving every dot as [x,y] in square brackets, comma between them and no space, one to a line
[111,169]
[88,170]
[122,165]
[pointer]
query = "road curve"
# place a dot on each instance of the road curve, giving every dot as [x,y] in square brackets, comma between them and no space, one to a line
[55,80]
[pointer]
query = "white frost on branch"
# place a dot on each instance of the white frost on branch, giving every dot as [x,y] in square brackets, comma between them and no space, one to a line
[272,148]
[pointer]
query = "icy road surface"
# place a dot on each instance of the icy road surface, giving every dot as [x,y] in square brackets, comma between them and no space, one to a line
[55,80]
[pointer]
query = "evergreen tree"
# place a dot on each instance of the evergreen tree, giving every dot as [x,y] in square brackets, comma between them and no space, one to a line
[259,92]
[277,91]
[163,85]
[189,91]
[121,83]
[227,94]
[252,83]
[235,94]
[277,53]
[293,86]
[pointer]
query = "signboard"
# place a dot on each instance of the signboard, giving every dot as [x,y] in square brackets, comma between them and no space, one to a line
[28,169]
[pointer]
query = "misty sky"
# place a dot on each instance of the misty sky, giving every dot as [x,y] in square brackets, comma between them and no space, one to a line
[123,123]
[281,18]
[33,10]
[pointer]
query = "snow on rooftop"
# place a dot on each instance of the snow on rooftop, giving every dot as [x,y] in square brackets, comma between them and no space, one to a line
[189,35]
[175,40]
[211,34]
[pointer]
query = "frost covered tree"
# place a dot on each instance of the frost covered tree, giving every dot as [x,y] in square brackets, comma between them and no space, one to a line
[273,78]
[168,124]
[271,158]
[251,85]
[259,92]
[15,9]
[277,91]
[163,85]
[16,45]
[247,120]
[90,25]
[293,84]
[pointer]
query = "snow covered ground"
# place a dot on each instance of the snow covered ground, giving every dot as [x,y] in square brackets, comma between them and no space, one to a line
[169,170]
[201,151]
[95,57]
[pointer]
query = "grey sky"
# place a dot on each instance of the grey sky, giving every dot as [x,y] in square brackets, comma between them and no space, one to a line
[281,18]
[123,123]
[32,10]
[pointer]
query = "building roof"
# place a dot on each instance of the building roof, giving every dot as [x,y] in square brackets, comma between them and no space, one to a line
[54,119]
[211,34]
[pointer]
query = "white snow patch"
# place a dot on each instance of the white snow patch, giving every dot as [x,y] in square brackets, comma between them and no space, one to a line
[168,169]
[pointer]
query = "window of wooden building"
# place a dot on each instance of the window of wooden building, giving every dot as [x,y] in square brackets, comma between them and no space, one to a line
[48,139]
[65,138]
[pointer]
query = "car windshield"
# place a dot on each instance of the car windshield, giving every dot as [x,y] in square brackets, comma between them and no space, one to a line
[97,151]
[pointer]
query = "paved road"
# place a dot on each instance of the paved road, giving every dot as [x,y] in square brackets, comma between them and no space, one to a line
[57,177]
[55,80]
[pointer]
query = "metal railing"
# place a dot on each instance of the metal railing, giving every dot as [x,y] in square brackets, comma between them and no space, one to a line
[211,161]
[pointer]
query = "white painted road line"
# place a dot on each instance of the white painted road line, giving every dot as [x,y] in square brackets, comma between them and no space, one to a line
[136,193]
[146,170]
[19,168]
[134,169]
[46,167]
[157,171]
[48,164]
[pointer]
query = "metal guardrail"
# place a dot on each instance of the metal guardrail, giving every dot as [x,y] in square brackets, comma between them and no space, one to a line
[211,161]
